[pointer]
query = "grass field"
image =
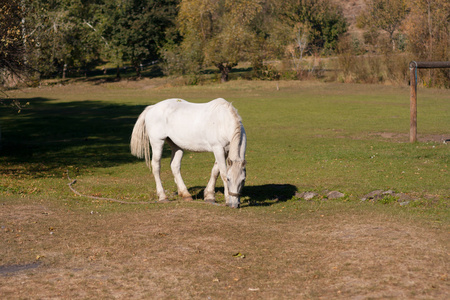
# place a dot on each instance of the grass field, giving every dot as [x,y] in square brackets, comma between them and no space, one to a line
[302,136]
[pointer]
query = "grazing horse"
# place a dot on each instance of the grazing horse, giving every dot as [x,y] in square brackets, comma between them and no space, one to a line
[207,127]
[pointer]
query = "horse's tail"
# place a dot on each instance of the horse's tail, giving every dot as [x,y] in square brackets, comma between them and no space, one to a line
[140,142]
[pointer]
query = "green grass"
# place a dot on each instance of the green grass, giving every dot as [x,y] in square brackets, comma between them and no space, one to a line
[306,136]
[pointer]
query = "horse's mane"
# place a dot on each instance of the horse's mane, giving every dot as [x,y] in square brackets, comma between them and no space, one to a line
[222,102]
[237,134]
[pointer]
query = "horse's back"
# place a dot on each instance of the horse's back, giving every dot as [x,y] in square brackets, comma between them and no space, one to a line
[177,103]
[175,108]
[191,126]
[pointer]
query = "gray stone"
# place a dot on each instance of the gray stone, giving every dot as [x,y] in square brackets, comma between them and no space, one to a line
[306,195]
[375,195]
[299,195]
[388,192]
[335,195]
[310,195]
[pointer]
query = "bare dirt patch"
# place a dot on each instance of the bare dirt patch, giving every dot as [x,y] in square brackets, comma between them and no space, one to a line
[404,137]
[197,251]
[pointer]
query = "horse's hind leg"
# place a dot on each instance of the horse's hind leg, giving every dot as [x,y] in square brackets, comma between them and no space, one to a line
[157,150]
[175,164]
[209,194]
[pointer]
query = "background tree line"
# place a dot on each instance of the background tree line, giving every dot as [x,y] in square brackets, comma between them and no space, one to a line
[46,38]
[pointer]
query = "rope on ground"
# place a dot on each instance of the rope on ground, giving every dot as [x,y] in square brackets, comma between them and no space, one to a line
[73,181]
[70,184]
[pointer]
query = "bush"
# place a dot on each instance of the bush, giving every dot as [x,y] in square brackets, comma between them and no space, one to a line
[179,62]
[371,68]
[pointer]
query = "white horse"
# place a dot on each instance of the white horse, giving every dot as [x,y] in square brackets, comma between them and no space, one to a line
[208,127]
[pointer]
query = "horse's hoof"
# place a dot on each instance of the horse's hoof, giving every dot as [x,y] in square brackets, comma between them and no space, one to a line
[166,200]
[233,206]
[213,201]
[189,198]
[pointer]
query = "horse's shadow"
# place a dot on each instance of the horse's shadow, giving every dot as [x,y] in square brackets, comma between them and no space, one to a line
[256,195]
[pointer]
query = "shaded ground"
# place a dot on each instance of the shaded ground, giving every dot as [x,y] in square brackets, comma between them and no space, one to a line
[291,250]
[49,135]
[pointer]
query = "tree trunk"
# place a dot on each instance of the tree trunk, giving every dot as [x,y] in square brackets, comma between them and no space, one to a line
[225,69]
[224,76]
[118,73]
[64,71]
[392,41]
[24,33]
[137,68]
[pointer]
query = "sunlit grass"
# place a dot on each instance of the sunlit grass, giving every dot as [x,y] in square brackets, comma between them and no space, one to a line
[309,135]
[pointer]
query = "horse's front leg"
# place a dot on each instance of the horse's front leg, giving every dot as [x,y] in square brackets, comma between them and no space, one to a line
[175,164]
[220,155]
[209,193]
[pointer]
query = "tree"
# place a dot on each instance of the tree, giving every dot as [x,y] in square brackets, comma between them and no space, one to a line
[325,20]
[218,32]
[428,30]
[60,35]
[301,42]
[136,30]
[12,45]
[386,15]
[305,27]
[78,34]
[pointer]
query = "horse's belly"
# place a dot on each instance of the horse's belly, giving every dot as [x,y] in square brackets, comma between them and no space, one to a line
[190,143]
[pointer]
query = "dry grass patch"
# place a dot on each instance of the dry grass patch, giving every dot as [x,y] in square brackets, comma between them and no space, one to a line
[190,251]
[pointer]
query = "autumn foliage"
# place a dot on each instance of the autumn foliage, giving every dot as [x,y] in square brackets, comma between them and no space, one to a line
[12,46]
[293,39]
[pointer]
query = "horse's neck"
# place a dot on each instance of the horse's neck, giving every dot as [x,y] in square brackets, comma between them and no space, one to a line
[238,144]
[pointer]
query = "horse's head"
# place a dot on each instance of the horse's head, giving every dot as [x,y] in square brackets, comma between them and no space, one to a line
[236,174]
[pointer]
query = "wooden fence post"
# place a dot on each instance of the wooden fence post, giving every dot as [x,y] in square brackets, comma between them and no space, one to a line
[413,102]
[413,66]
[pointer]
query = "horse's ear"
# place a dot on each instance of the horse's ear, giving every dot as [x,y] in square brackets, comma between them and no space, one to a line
[229,162]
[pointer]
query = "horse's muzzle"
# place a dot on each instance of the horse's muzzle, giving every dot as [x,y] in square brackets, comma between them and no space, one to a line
[237,195]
